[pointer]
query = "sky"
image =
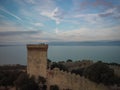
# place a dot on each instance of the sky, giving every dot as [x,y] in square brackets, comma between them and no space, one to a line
[36,21]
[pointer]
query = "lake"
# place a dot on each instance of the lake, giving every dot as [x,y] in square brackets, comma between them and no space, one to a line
[18,54]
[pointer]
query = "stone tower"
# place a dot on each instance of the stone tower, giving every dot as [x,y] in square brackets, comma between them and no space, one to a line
[37,60]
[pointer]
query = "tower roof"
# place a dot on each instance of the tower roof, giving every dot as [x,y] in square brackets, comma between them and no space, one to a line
[37,46]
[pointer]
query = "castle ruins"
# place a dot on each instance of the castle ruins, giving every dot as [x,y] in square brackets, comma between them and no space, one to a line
[37,66]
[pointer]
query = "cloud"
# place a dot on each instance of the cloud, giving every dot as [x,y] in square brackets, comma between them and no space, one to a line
[41,10]
[97,18]
[11,33]
[56,31]
[113,13]
[1,16]
[19,36]
[108,12]
[6,25]
[11,14]
[85,15]
[39,24]
[81,34]
[38,14]
[104,3]
[95,12]
[90,18]
[31,1]
[87,4]
[54,15]
[87,34]
[95,6]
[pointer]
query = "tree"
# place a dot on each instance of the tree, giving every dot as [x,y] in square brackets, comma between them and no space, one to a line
[116,80]
[100,73]
[48,63]
[7,78]
[60,66]
[69,60]
[54,87]
[5,82]
[78,71]
[41,80]
[23,82]
[30,84]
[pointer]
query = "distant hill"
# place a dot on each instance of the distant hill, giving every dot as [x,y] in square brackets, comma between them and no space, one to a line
[72,43]
[86,43]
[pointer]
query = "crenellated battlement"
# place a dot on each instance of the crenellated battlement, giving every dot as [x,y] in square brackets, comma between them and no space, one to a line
[71,81]
[42,46]
[57,71]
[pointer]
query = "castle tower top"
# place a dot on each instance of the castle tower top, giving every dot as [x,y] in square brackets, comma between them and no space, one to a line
[43,46]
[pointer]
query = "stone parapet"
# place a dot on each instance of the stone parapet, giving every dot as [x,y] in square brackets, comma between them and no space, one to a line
[43,47]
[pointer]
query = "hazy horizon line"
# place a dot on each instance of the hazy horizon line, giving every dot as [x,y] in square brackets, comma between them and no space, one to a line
[70,43]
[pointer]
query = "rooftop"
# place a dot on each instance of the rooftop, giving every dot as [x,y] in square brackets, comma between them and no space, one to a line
[37,46]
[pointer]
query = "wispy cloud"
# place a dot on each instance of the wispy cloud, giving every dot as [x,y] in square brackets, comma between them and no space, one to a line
[19,35]
[1,16]
[87,4]
[90,18]
[39,24]
[11,33]
[54,15]
[110,12]
[31,1]
[86,34]
[11,14]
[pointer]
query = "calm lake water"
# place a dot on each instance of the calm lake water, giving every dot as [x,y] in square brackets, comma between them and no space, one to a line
[18,54]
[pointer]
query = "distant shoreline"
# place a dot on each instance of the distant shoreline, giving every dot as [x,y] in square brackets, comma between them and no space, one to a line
[81,43]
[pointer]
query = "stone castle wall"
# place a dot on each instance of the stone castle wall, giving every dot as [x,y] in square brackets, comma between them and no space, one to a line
[37,66]
[78,64]
[116,69]
[66,80]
